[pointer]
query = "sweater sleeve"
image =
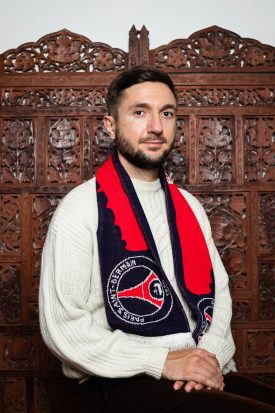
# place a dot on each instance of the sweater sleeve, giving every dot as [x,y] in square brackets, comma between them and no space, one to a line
[218,339]
[69,328]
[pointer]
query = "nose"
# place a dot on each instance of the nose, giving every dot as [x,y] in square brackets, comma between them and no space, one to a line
[155,124]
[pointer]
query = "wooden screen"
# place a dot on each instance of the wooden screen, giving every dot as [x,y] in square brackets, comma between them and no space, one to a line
[52,139]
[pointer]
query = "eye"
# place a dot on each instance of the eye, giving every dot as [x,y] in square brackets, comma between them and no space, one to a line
[168,114]
[139,113]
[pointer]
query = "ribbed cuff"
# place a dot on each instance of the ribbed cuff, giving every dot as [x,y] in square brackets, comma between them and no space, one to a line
[223,349]
[156,362]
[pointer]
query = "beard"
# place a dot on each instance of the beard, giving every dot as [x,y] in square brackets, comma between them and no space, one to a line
[139,158]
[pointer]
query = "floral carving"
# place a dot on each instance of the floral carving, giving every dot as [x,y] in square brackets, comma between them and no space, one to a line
[102,145]
[241,310]
[260,149]
[64,151]
[176,164]
[227,215]
[10,303]
[20,351]
[43,208]
[17,151]
[260,348]
[93,99]
[213,48]
[64,51]
[9,224]
[215,149]
[194,97]
[267,223]
[267,291]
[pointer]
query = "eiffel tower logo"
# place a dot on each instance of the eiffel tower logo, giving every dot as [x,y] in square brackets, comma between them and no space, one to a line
[149,290]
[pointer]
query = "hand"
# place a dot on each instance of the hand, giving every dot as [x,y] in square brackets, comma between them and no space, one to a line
[189,386]
[197,367]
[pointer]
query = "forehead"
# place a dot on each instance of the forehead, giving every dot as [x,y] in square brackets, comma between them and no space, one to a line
[151,93]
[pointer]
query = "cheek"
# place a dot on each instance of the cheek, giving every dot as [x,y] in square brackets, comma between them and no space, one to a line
[133,128]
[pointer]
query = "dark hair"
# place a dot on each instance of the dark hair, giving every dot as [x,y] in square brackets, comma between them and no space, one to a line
[138,74]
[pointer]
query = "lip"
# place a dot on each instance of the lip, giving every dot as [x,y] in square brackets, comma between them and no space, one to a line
[153,143]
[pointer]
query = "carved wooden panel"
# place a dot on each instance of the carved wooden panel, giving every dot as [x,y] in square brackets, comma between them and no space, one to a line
[52,138]
[229,222]
[212,48]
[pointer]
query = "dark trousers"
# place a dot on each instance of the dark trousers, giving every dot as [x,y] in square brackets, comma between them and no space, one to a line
[144,394]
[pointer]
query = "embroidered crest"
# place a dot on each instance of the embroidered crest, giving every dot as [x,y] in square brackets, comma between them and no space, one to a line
[205,307]
[135,280]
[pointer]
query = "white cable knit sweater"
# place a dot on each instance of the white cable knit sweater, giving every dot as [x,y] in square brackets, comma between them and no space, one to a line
[72,314]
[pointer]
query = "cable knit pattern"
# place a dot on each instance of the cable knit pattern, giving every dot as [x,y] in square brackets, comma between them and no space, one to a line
[72,314]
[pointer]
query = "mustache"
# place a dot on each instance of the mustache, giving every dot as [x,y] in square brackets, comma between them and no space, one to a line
[153,138]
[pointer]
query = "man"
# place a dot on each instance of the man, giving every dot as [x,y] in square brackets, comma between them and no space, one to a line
[134,298]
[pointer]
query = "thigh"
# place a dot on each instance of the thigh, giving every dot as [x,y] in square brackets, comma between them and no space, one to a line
[147,395]
[249,387]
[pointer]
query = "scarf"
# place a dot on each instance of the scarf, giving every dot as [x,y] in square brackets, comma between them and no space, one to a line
[137,294]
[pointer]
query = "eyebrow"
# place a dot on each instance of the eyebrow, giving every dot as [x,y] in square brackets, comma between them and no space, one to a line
[147,106]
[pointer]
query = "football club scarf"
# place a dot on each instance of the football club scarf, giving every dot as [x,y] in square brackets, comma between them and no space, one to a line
[137,294]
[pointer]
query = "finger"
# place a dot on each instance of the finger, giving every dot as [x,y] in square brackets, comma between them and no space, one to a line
[178,384]
[198,386]
[192,385]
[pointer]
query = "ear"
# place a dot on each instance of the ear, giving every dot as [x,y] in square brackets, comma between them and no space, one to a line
[110,125]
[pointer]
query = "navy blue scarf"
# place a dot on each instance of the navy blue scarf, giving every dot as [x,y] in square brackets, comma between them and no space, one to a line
[137,294]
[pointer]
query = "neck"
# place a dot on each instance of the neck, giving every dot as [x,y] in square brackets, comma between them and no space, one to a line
[134,172]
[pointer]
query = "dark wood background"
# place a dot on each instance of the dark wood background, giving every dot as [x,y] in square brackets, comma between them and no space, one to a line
[52,138]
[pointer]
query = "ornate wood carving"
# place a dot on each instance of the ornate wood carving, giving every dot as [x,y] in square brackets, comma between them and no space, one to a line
[64,51]
[176,163]
[260,348]
[10,300]
[64,150]
[267,290]
[218,96]
[44,98]
[17,151]
[259,148]
[52,138]
[213,48]
[215,149]
[10,227]
[227,214]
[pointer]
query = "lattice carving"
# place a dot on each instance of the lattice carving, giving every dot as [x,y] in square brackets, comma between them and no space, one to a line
[14,395]
[10,300]
[260,348]
[43,208]
[64,151]
[17,151]
[9,224]
[215,149]
[260,148]
[64,51]
[241,310]
[267,223]
[213,48]
[228,218]
[102,145]
[93,99]
[19,351]
[87,163]
[211,97]
[267,291]
[176,164]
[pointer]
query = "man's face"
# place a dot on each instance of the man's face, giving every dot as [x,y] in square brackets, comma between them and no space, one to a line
[145,127]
